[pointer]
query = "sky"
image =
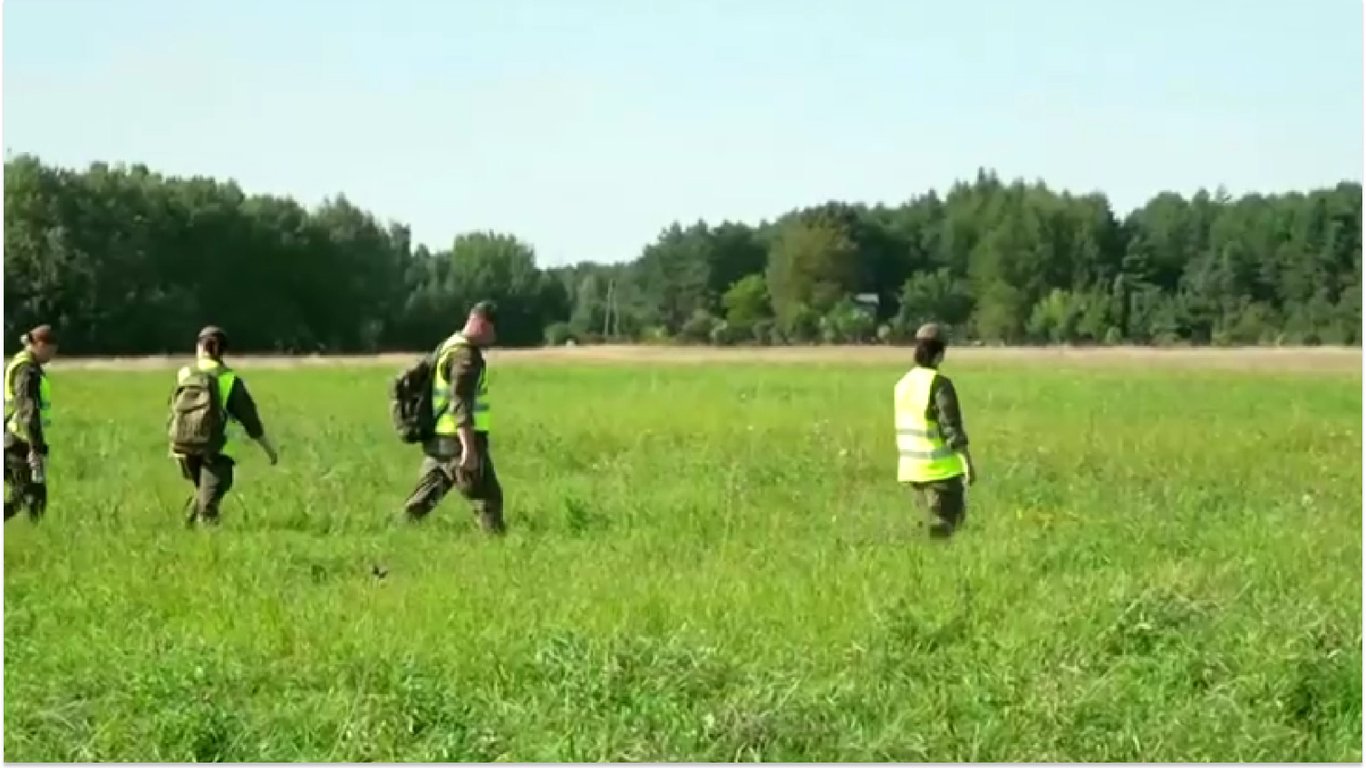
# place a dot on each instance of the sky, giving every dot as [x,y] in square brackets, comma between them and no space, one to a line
[585,127]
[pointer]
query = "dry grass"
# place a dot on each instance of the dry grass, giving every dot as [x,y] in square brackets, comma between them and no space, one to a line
[1285,359]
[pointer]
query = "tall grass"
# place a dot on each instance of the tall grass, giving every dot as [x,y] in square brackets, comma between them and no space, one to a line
[706,563]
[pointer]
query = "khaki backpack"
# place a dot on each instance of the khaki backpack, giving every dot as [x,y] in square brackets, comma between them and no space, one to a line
[197,420]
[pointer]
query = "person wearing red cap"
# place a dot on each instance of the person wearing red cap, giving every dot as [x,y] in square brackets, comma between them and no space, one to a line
[209,398]
[932,445]
[28,413]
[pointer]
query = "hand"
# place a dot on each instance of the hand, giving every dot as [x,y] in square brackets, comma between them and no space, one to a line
[35,459]
[969,470]
[272,455]
[469,462]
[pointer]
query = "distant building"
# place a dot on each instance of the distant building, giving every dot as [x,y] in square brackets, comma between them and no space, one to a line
[869,301]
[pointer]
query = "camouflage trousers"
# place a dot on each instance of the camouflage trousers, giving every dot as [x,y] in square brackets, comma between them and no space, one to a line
[440,473]
[211,477]
[22,493]
[944,503]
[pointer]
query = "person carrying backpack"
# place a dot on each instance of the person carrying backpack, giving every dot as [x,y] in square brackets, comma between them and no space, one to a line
[209,402]
[28,411]
[443,402]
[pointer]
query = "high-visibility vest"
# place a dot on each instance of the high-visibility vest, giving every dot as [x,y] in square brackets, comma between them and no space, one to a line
[441,392]
[226,379]
[922,455]
[44,396]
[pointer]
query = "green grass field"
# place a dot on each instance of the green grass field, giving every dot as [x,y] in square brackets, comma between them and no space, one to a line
[707,563]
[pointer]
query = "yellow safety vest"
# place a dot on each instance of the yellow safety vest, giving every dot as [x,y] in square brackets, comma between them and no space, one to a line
[441,392]
[44,396]
[922,455]
[226,378]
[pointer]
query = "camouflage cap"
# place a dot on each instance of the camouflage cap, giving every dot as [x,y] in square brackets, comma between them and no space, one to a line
[42,334]
[213,332]
[486,309]
[931,332]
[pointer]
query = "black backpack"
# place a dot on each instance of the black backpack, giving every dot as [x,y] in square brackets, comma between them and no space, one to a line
[410,401]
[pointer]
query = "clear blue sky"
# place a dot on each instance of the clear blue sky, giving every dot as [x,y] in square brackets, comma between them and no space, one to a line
[585,126]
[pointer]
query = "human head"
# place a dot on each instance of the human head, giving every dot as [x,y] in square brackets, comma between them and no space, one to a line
[212,342]
[40,342]
[479,325]
[929,345]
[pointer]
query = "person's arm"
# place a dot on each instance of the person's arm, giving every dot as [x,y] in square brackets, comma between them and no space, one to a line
[463,374]
[28,406]
[950,419]
[242,408]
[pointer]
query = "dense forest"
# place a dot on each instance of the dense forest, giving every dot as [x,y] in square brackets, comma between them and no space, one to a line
[123,260]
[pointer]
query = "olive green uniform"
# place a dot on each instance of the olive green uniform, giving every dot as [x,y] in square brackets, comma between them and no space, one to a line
[212,474]
[944,500]
[22,493]
[439,472]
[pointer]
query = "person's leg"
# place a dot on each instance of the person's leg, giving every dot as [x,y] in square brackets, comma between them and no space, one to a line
[35,499]
[215,480]
[487,495]
[482,488]
[22,492]
[946,507]
[433,483]
[191,468]
[17,479]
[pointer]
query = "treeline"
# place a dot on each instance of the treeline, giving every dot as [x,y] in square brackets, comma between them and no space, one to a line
[126,261]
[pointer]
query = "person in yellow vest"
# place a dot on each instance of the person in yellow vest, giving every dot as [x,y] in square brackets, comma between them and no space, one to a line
[932,445]
[458,456]
[28,413]
[209,403]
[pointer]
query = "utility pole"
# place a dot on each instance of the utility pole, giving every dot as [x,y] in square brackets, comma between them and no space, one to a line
[616,314]
[607,310]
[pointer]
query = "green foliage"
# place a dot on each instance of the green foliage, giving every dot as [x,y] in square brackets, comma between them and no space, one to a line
[811,266]
[848,323]
[1063,316]
[723,334]
[558,334]
[127,261]
[699,327]
[707,563]
[676,271]
[746,303]
[935,296]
